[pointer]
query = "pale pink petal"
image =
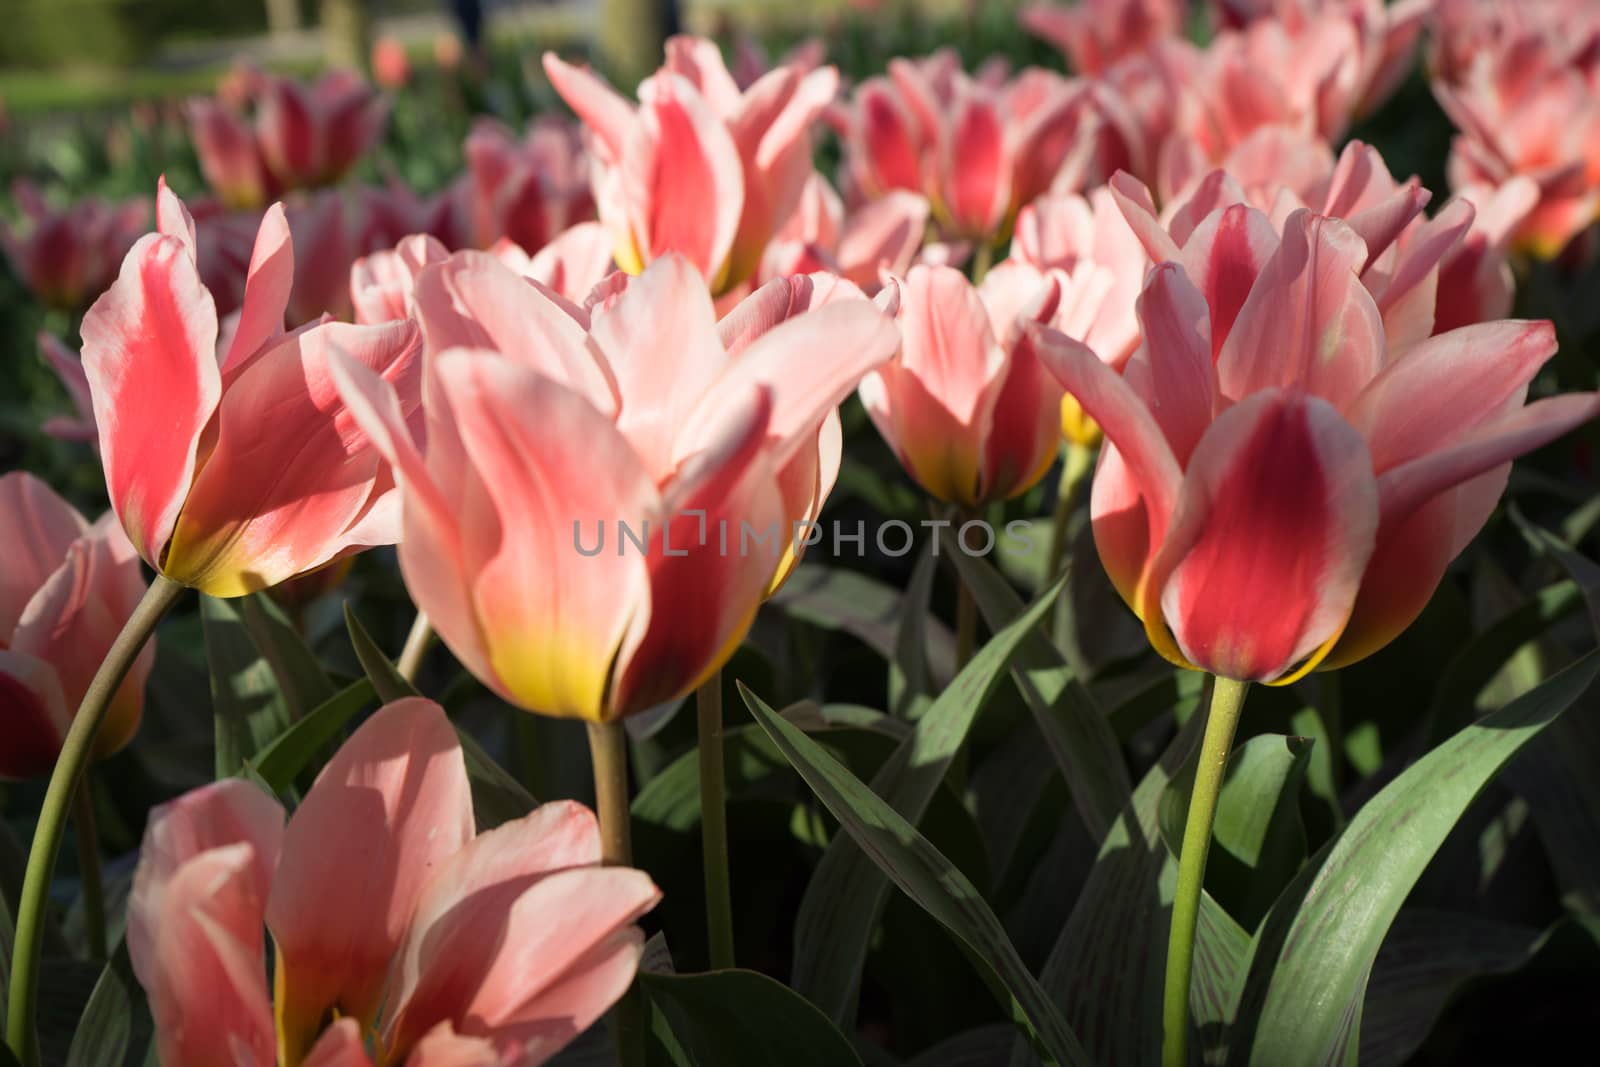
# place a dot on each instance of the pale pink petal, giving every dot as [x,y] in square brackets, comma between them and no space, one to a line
[341,1045]
[1172,370]
[149,351]
[554,470]
[385,813]
[37,528]
[605,112]
[883,235]
[1223,258]
[1140,210]
[36,716]
[266,289]
[1264,557]
[574,262]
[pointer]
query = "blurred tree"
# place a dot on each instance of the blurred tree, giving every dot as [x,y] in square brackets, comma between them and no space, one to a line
[346,33]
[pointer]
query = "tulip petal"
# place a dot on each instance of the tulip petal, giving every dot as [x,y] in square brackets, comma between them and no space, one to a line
[388,809]
[976,162]
[660,338]
[603,110]
[341,1046]
[1308,321]
[1223,257]
[574,262]
[889,150]
[1447,385]
[291,470]
[1139,209]
[173,218]
[149,351]
[1172,370]
[1277,520]
[684,177]
[883,235]
[474,301]
[1125,418]
[1407,487]
[809,363]
[266,290]
[552,612]
[37,528]
[467,903]
[36,716]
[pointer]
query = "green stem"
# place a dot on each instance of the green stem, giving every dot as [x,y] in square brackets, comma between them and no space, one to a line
[714,825]
[76,751]
[608,750]
[1227,700]
[966,624]
[418,641]
[982,260]
[94,893]
[1076,463]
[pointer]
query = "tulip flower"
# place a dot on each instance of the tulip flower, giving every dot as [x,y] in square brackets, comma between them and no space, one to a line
[67,258]
[66,590]
[402,937]
[232,471]
[1525,109]
[882,235]
[391,64]
[298,137]
[1281,490]
[1475,279]
[553,427]
[700,169]
[978,150]
[1094,34]
[528,190]
[382,284]
[966,405]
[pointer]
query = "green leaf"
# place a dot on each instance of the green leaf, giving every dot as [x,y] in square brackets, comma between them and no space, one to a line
[1312,957]
[1107,964]
[116,1027]
[1582,570]
[280,762]
[301,679]
[737,1017]
[249,706]
[1073,726]
[846,894]
[911,683]
[865,608]
[497,796]
[8,940]
[1258,841]
[941,890]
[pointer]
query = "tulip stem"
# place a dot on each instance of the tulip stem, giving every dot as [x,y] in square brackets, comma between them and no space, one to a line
[94,894]
[418,642]
[76,750]
[608,750]
[714,825]
[1227,700]
[966,623]
[982,260]
[1076,463]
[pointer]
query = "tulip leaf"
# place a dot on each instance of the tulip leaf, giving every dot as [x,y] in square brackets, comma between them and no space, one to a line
[115,1027]
[1311,959]
[301,679]
[862,606]
[8,939]
[1106,966]
[1258,841]
[279,763]
[923,874]
[737,1017]
[1582,570]
[1074,727]
[497,797]
[910,674]
[250,708]
[845,896]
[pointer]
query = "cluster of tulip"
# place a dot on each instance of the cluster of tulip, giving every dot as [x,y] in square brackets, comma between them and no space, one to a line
[1308,392]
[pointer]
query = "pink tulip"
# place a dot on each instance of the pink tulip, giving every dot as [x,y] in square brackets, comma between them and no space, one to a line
[1094,34]
[1311,67]
[388,213]
[396,927]
[700,169]
[391,65]
[966,405]
[1475,279]
[65,593]
[1463,31]
[550,425]
[232,471]
[1528,109]
[298,136]
[883,235]
[1281,488]
[978,149]
[528,190]
[79,426]
[382,284]
[67,258]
